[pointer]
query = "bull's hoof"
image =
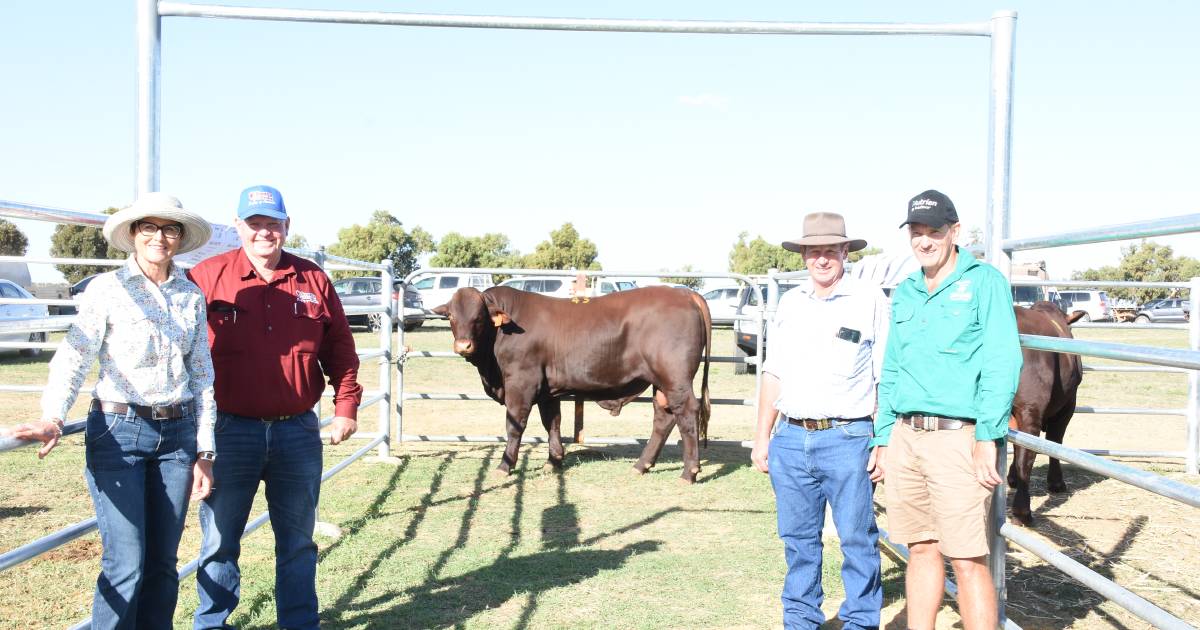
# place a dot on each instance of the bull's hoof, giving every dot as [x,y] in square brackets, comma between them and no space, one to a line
[639,469]
[553,465]
[1056,487]
[686,480]
[1021,520]
[499,474]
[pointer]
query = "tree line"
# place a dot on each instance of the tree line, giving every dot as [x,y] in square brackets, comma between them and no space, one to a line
[385,237]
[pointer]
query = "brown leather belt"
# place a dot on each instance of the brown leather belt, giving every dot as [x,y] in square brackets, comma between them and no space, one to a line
[927,422]
[819,424]
[154,412]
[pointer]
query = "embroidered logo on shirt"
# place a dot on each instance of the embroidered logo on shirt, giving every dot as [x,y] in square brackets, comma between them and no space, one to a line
[304,296]
[962,291]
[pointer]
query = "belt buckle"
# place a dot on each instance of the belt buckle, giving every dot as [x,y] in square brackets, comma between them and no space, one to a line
[154,413]
[929,424]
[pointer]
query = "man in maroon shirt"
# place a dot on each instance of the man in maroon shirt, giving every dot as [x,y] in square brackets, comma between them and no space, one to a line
[276,329]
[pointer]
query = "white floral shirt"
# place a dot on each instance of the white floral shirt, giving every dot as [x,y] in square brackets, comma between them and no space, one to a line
[152,341]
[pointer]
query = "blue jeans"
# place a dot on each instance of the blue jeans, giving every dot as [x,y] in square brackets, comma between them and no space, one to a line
[807,469]
[139,473]
[287,456]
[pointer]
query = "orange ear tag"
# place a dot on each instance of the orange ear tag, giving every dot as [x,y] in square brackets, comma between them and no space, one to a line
[499,319]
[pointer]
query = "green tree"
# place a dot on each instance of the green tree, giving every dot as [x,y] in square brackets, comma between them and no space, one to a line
[565,250]
[12,241]
[82,241]
[296,241]
[758,256]
[691,283]
[866,251]
[384,237]
[489,250]
[1146,261]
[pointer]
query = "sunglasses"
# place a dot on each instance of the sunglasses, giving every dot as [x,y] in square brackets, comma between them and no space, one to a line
[171,231]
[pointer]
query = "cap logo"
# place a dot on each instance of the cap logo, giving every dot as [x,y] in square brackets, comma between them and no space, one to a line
[260,196]
[923,204]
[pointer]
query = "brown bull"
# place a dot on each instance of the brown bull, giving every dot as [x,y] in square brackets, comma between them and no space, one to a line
[531,350]
[1045,399]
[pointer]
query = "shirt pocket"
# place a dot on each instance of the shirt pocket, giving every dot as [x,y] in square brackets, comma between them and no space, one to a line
[958,327]
[843,356]
[224,329]
[309,323]
[132,333]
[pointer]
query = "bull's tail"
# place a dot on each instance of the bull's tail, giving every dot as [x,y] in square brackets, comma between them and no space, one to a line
[705,399]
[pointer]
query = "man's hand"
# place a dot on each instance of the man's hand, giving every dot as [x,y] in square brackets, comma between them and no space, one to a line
[341,429]
[202,479]
[984,457]
[47,432]
[876,463]
[758,454]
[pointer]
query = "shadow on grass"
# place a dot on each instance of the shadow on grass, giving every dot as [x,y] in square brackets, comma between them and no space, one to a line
[716,461]
[449,602]
[23,510]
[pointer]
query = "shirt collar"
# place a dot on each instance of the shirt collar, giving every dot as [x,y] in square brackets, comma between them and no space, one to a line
[841,288]
[286,266]
[965,261]
[131,270]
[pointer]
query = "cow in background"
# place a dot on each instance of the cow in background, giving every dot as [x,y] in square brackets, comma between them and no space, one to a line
[1045,399]
[531,350]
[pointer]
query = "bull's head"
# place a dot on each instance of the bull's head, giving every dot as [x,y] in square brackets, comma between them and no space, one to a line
[474,318]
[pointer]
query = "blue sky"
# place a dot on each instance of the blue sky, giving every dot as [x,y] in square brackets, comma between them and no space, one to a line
[660,148]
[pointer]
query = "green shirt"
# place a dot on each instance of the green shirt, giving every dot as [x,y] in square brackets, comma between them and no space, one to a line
[953,353]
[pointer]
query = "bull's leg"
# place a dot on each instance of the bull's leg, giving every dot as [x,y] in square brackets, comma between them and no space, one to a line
[663,423]
[1022,465]
[686,410]
[1056,428]
[516,415]
[551,412]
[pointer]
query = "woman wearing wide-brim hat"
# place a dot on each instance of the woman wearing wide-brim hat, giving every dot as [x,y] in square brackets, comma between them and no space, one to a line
[149,437]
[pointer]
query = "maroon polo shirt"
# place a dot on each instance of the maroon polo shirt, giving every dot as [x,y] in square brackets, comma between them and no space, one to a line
[271,341]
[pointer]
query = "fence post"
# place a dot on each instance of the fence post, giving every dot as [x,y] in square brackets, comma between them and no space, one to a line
[1193,399]
[149,55]
[393,316]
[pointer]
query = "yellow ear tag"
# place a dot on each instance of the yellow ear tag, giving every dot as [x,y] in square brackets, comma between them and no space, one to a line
[498,319]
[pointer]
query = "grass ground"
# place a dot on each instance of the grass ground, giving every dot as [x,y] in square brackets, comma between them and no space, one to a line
[433,540]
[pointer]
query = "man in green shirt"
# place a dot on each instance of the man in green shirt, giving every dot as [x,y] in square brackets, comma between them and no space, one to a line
[951,368]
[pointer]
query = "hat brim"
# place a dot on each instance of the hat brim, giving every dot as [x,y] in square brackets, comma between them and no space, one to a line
[274,214]
[196,230]
[799,244]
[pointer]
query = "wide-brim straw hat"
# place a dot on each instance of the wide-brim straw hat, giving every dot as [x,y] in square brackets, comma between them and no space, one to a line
[824,228]
[196,231]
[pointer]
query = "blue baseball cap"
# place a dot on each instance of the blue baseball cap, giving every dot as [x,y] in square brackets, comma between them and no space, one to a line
[263,200]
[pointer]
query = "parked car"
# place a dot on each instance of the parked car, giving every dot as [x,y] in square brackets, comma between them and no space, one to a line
[436,289]
[21,312]
[552,286]
[745,333]
[723,304]
[604,286]
[364,291]
[1164,311]
[1093,303]
[1025,295]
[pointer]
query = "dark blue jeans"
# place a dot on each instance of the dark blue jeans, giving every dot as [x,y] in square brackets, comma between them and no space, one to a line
[286,455]
[139,473]
[807,469]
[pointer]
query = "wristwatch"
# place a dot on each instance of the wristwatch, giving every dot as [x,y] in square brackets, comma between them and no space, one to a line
[207,456]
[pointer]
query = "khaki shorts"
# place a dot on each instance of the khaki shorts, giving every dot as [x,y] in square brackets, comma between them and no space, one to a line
[932,492]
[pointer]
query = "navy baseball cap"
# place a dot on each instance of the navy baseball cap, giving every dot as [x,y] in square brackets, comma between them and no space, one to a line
[931,208]
[263,200]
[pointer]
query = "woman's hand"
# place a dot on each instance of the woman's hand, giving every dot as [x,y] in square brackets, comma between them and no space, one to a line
[46,431]
[202,479]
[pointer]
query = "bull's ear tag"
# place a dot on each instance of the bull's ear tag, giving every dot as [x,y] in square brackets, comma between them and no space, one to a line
[500,319]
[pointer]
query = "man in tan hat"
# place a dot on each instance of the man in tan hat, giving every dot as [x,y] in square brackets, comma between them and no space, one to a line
[819,381]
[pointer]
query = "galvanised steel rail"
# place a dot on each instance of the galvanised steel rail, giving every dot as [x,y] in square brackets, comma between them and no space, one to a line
[1158,484]
[1188,359]
[724,27]
[1182,224]
[1089,578]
